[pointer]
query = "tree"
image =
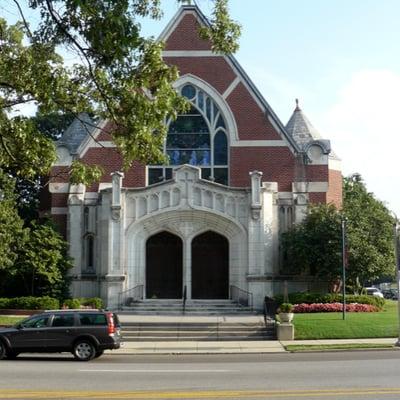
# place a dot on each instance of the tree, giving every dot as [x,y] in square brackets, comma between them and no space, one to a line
[41,266]
[11,225]
[370,233]
[120,77]
[315,245]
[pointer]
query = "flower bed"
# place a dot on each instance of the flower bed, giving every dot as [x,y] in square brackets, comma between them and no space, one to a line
[333,307]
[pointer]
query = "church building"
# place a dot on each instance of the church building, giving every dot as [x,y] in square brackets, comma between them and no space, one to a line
[207,225]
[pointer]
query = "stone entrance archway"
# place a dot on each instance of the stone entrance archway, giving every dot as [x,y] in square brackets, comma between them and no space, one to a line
[210,266]
[164,266]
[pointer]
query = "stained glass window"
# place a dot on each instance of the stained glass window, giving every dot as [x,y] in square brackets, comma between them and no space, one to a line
[198,138]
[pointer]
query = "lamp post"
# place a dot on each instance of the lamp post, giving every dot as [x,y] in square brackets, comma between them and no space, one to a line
[396,254]
[344,262]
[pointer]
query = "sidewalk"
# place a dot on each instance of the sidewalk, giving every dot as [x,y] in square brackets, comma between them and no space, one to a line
[231,347]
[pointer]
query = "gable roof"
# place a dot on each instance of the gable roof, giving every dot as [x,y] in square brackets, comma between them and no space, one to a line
[76,132]
[193,9]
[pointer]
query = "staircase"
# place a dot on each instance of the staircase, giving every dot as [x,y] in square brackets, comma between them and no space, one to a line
[196,331]
[192,307]
[202,320]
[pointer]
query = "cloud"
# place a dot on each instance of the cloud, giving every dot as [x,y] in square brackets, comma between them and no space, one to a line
[364,128]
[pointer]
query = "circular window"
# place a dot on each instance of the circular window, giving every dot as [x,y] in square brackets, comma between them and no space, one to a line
[189,92]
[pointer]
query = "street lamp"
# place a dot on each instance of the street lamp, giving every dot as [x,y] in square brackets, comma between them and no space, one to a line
[396,254]
[344,263]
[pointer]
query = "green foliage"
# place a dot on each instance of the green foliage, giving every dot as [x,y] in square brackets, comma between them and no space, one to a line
[121,77]
[29,303]
[72,303]
[369,232]
[310,298]
[286,308]
[223,32]
[92,302]
[315,245]
[41,266]
[11,225]
[84,173]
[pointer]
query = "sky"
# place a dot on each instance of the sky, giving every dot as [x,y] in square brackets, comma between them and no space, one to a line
[340,58]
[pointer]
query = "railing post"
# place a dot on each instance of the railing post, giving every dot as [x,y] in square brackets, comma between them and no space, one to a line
[184,299]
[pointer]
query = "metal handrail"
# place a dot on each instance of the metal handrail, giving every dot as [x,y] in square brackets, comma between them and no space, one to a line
[130,295]
[184,299]
[241,296]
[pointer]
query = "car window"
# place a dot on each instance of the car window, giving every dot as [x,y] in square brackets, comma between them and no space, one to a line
[116,320]
[92,319]
[63,320]
[35,322]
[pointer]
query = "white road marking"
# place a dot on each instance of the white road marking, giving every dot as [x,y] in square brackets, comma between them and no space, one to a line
[157,370]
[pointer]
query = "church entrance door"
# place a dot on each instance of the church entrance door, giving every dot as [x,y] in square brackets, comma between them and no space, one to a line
[164,266]
[210,266]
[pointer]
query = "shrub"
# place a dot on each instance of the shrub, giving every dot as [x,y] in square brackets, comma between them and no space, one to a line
[82,302]
[333,307]
[286,308]
[72,303]
[92,302]
[311,298]
[30,303]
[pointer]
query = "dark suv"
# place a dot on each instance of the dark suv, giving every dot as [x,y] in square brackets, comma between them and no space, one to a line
[84,333]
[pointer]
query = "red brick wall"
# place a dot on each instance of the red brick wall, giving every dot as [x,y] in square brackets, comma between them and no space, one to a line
[186,36]
[316,198]
[317,173]
[59,199]
[251,121]
[214,70]
[111,161]
[276,164]
[335,191]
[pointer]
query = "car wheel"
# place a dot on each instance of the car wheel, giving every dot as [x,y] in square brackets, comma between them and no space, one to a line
[2,350]
[99,353]
[84,350]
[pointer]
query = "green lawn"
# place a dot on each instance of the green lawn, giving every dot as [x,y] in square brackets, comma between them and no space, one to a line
[348,346]
[356,325]
[4,320]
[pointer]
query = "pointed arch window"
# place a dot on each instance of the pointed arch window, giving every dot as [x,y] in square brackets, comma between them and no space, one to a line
[198,137]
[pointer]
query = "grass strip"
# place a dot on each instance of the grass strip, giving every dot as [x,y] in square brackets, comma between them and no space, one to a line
[6,320]
[344,346]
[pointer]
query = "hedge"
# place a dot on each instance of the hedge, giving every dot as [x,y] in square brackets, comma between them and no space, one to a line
[48,303]
[30,303]
[333,307]
[92,302]
[311,298]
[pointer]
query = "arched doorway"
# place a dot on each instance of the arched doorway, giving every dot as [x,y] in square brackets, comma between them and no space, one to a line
[164,266]
[210,266]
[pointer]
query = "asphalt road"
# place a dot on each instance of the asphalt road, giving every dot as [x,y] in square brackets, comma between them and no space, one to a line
[333,375]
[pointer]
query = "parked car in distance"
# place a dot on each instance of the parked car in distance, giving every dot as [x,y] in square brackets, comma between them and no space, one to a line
[373,291]
[84,333]
[390,294]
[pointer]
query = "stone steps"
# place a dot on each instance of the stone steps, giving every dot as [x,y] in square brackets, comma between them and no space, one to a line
[193,307]
[182,331]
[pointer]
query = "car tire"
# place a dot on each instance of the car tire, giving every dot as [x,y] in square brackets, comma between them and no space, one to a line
[84,350]
[3,352]
[99,353]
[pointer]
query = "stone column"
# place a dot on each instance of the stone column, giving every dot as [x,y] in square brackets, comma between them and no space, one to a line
[75,234]
[115,276]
